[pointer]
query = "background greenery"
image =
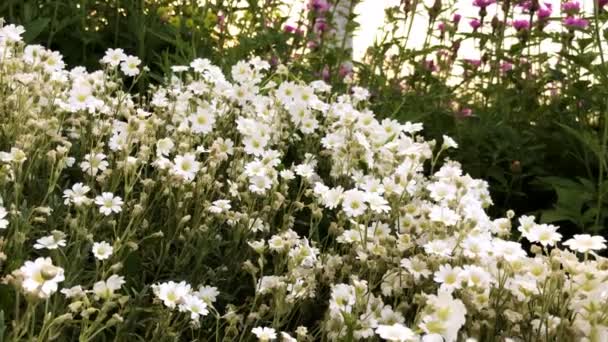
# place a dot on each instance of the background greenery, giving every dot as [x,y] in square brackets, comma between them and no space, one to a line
[537,132]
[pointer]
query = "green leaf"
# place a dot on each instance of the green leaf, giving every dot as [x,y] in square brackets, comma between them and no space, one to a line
[34,28]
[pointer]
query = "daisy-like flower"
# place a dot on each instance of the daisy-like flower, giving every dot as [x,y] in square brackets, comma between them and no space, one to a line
[396,332]
[353,203]
[105,289]
[76,195]
[108,203]
[207,293]
[3,220]
[545,234]
[164,147]
[448,277]
[11,33]
[53,241]
[202,121]
[448,143]
[186,166]
[172,293]
[219,206]
[264,334]
[584,243]
[41,277]
[195,306]
[102,250]
[130,66]
[73,292]
[113,57]
[93,163]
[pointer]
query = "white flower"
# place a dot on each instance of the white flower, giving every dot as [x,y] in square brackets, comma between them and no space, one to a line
[353,203]
[73,292]
[195,306]
[285,337]
[264,334]
[76,195]
[219,206]
[130,66]
[113,57]
[448,277]
[53,241]
[3,220]
[449,142]
[202,121]
[109,203]
[94,163]
[396,332]
[102,250]
[164,146]
[11,33]
[41,277]
[207,293]
[545,234]
[186,166]
[106,289]
[584,243]
[172,293]
[444,215]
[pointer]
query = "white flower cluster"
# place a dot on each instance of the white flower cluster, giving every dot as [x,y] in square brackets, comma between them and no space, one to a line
[360,219]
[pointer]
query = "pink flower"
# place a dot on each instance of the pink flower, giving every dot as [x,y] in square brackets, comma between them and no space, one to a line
[441,27]
[465,113]
[545,12]
[575,23]
[320,6]
[321,25]
[483,3]
[521,24]
[430,65]
[345,69]
[571,7]
[325,73]
[602,3]
[506,66]
[289,28]
[475,24]
[473,62]
[457,17]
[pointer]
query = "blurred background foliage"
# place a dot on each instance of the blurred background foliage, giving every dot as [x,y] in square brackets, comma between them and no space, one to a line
[530,120]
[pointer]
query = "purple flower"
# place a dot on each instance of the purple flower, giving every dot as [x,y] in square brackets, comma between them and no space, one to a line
[545,12]
[575,23]
[521,24]
[321,25]
[441,27]
[289,29]
[320,6]
[475,24]
[325,73]
[571,7]
[457,17]
[483,3]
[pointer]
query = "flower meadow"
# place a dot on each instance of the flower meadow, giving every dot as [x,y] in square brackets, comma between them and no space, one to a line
[250,205]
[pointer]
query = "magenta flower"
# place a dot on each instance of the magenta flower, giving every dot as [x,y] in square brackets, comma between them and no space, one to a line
[571,7]
[506,66]
[602,3]
[475,24]
[289,28]
[320,6]
[457,17]
[473,62]
[441,27]
[320,25]
[345,69]
[545,12]
[483,3]
[465,113]
[521,24]
[575,23]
